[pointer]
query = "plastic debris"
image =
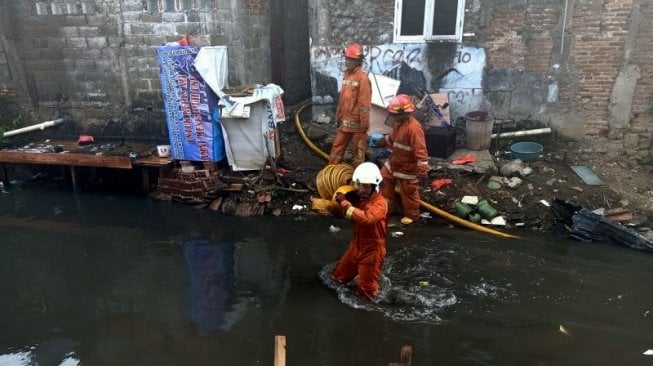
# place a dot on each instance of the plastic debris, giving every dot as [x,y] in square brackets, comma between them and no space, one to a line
[563,330]
[397,234]
[470,200]
[497,221]
[425,215]
[334,229]
[648,352]
[436,184]
[424,283]
[464,160]
[494,185]
[298,207]
[545,203]
[282,171]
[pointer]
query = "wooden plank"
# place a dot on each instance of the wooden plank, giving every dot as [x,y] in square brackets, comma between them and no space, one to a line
[153,161]
[105,161]
[280,350]
[406,355]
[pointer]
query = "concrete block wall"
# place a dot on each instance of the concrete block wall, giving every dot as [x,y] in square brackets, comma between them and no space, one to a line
[578,65]
[95,60]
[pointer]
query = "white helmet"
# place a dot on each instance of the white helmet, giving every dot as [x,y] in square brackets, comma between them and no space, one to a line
[367,173]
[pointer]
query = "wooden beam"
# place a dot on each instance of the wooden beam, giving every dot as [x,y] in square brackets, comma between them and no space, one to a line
[406,355]
[105,161]
[5,177]
[73,178]
[280,350]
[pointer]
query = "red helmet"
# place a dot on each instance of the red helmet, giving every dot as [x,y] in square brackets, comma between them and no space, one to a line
[354,50]
[400,103]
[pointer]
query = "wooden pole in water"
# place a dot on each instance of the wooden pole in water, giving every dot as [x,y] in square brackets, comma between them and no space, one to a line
[405,357]
[280,350]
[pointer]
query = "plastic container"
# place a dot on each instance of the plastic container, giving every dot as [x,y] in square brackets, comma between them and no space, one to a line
[440,141]
[475,217]
[373,138]
[478,130]
[486,210]
[526,151]
[462,209]
[163,151]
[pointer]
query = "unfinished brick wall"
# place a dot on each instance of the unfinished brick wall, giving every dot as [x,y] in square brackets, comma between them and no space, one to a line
[598,32]
[506,46]
[642,107]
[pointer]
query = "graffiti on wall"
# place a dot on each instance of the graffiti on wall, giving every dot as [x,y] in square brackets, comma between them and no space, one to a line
[462,80]
[401,62]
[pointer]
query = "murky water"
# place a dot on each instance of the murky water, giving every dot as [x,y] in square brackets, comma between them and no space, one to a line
[114,280]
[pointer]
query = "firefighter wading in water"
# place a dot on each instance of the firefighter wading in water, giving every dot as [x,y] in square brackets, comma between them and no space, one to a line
[408,160]
[353,111]
[368,214]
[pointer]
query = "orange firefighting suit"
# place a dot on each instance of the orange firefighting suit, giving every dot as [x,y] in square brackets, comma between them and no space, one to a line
[366,251]
[408,161]
[352,116]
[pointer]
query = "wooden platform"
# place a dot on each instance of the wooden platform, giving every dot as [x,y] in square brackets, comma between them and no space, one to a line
[101,154]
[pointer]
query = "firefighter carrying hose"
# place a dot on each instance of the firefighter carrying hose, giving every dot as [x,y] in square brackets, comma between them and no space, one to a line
[353,111]
[367,210]
[409,160]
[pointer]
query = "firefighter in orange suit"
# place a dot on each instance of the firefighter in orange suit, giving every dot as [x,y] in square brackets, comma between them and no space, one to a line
[408,161]
[366,251]
[353,111]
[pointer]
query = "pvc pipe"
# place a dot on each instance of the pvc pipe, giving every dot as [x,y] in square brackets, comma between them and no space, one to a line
[426,205]
[537,131]
[38,126]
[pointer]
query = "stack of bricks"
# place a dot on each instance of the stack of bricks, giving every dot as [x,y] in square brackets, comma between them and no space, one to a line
[192,186]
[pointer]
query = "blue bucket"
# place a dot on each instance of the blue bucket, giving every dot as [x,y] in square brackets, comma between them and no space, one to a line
[374,138]
[526,151]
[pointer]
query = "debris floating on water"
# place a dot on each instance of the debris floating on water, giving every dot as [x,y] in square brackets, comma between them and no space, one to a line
[334,229]
[563,330]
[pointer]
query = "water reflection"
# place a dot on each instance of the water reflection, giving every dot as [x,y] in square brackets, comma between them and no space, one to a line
[229,279]
[212,284]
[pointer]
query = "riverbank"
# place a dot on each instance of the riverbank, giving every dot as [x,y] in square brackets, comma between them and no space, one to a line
[525,195]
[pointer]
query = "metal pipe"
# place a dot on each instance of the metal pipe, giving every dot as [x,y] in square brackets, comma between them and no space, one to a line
[38,126]
[537,131]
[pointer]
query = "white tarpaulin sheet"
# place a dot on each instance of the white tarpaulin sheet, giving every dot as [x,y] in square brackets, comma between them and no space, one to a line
[250,141]
[248,123]
[212,64]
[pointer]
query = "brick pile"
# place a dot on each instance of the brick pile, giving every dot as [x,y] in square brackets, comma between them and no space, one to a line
[194,186]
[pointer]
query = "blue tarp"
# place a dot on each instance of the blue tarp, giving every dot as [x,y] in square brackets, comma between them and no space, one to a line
[191,107]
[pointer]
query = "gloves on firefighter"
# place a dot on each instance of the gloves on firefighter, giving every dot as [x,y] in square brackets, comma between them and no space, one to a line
[423,169]
[342,200]
[325,207]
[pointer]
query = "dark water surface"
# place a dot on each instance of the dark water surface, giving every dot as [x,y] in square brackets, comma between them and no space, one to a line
[122,280]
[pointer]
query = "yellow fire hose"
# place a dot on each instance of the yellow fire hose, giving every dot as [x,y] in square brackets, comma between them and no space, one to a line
[425,205]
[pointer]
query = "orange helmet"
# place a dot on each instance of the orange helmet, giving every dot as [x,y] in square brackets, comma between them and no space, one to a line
[354,50]
[400,103]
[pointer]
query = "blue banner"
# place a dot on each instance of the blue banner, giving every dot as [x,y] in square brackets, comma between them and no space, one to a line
[191,107]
